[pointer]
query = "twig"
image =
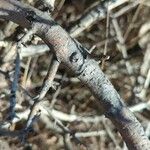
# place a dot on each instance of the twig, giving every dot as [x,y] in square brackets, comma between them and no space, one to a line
[126,9]
[14,87]
[121,45]
[109,132]
[29,126]
[90,133]
[48,83]
[146,61]
[57,93]
[140,107]
[26,72]
[143,92]
[95,14]
[58,8]
[34,50]
[106,42]
[133,19]
[67,142]
[67,131]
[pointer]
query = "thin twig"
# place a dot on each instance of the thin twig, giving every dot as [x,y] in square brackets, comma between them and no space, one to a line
[121,45]
[107,36]
[14,87]
[48,83]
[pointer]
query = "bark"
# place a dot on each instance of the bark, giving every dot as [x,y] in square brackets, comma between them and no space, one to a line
[77,59]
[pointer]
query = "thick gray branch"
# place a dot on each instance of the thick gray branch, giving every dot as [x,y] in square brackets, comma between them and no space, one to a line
[75,57]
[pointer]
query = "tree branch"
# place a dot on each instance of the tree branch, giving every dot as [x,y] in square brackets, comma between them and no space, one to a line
[75,57]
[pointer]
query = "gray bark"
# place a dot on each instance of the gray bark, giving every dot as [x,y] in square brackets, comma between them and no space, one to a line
[75,57]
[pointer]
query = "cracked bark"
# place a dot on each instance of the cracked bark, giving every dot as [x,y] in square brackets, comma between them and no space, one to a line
[75,57]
